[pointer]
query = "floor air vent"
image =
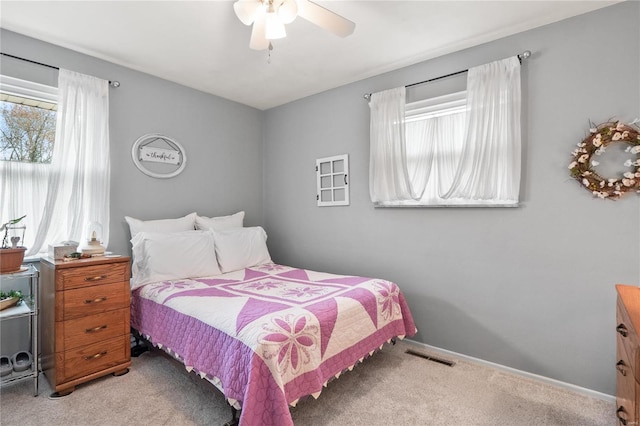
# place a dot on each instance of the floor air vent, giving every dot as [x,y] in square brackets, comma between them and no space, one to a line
[430,358]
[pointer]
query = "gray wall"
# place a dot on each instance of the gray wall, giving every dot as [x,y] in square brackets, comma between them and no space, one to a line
[222,139]
[531,287]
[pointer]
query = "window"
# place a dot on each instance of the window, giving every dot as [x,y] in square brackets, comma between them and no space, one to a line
[458,149]
[64,185]
[434,143]
[27,134]
[27,121]
[434,136]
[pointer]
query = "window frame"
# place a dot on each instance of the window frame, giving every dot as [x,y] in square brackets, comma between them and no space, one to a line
[424,109]
[28,89]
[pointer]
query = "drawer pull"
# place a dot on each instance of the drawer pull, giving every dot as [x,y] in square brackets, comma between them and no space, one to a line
[98,355]
[622,330]
[620,366]
[96,278]
[623,421]
[102,327]
[98,300]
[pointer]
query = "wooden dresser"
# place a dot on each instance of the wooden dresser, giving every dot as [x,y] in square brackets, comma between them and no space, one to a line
[85,315]
[628,355]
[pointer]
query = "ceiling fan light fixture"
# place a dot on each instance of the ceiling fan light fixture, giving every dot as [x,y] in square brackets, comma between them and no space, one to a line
[270,16]
[274,28]
[259,40]
[247,10]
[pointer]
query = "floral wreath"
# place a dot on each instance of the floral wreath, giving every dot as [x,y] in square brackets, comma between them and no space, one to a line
[599,138]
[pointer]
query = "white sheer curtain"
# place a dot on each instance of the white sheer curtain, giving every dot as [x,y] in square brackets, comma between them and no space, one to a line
[388,171]
[79,175]
[471,157]
[23,190]
[489,167]
[436,144]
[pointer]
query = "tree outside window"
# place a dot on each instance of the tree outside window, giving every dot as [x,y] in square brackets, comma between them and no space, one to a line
[27,133]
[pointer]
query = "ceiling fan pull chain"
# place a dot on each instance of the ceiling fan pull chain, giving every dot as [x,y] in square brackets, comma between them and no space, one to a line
[269,50]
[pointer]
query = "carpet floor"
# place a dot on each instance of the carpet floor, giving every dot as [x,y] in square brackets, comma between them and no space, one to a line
[391,387]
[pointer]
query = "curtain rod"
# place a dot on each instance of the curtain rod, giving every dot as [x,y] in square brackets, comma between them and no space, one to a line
[111,83]
[524,55]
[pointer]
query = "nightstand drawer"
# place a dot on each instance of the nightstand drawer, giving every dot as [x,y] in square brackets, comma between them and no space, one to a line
[627,338]
[92,300]
[625,385]
[68,279]
[93,358]
[627,354]
[93,329]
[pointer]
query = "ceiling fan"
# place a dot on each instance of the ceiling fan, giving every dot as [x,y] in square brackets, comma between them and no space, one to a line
[270,16]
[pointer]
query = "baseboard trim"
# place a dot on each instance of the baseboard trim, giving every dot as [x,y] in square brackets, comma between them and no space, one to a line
[574,388]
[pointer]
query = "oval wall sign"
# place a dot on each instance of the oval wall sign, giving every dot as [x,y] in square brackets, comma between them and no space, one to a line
[158,156]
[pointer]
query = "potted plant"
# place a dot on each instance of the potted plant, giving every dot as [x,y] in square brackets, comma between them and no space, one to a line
[12,254]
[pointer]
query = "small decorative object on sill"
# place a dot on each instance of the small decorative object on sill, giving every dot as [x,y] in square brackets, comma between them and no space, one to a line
[93,247]
[11,256]
[583,163]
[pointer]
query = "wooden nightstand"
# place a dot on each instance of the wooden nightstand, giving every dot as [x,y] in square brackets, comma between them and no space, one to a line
[84,319]
[628,355]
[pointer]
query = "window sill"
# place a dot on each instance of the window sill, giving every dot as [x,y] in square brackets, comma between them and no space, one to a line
[429,206]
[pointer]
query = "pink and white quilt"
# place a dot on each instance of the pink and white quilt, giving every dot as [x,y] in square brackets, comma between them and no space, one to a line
[271,334]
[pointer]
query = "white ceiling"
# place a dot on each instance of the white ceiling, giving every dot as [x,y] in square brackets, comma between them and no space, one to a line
[201,44]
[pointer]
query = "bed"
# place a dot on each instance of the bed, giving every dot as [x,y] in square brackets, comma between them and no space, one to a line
[265,334]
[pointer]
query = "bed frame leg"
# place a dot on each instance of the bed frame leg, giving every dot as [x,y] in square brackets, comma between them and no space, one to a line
[234,419]
[140,347]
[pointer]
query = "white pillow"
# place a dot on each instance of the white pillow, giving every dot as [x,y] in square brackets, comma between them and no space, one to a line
[186,223]
[220,223]
[137,249]
[241,248]
[173,256]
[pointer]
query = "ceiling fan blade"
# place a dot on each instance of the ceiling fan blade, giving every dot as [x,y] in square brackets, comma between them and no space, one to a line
[246,10]
[259,33]
[324,18]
